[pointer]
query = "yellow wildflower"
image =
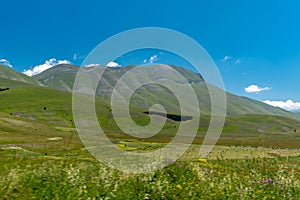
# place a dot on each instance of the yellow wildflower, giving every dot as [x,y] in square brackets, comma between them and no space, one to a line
[179,187]
[202,160]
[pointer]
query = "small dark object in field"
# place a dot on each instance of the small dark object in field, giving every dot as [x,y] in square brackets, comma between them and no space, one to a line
[3,89]
[45,108]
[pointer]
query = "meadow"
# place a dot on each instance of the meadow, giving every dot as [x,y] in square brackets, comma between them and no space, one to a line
[42,157]
[227,173]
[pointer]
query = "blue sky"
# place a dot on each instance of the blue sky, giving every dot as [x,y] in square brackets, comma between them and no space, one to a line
[252,42]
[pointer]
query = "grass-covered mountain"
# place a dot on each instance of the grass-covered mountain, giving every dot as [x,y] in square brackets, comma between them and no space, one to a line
[60,77]
[24,104]
[63,76]
[8,73]
[28,111]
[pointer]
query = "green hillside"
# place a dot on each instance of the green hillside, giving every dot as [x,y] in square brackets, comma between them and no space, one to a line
[60,77]
[4,83]
[8,73]
[52,108]
[63,76]
[37,103]
[261,130]
[242,105]
[43,104]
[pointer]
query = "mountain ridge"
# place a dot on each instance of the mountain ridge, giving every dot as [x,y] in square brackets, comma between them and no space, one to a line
[64,75]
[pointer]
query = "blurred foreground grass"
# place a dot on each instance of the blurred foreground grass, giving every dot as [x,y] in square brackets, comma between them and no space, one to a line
[34,177]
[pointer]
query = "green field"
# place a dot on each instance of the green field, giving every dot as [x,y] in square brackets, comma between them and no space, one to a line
[49,162]
[42,156]
[28,174]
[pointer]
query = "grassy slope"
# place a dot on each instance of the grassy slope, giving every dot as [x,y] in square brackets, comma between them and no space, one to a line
[237,104]
[59,77]
[54,107]
[12,84]
[8,73]
[34,138]
[34,166]
[62,77]
[261,130]
[38,103]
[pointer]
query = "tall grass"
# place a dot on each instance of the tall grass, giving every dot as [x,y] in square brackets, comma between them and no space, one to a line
[28,178]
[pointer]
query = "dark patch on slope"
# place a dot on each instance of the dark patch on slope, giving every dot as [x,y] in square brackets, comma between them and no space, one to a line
[173,117]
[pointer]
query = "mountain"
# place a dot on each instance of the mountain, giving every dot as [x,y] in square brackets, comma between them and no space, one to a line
[62,77]
[8,73]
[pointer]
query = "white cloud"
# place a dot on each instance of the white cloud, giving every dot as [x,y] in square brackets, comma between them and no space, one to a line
[256,89]
[75,56]
[226,58]
[288,105]
[153,59]
[113,64]
[48,64]
[92,65]
[5,63]
[238,61]
[231,59]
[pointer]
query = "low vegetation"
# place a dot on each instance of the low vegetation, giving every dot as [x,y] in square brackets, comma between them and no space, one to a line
[42,157]
[46,177]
